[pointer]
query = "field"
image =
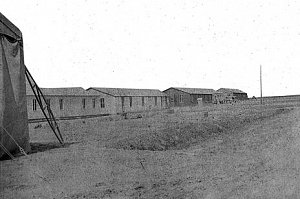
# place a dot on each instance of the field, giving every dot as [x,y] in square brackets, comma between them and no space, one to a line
[242,150]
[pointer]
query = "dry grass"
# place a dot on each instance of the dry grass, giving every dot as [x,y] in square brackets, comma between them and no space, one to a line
[161,131]
[184,129]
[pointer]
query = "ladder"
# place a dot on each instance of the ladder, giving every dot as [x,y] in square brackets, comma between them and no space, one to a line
[45,107]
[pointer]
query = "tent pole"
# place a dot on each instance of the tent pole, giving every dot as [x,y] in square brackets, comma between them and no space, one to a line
[40,99]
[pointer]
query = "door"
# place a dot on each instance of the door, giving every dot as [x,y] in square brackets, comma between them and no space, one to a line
[176,96]
[123,107]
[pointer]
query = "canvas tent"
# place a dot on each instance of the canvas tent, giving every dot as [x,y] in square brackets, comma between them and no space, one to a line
[13,106]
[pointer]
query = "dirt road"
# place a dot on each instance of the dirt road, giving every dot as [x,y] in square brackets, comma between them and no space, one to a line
[261,160]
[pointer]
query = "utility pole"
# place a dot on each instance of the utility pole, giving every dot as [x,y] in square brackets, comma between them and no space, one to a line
[260,86]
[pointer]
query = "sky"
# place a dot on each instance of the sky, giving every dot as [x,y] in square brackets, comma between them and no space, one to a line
[160,44]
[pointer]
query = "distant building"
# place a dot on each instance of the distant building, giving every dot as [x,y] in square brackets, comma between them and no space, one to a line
[230,94]
[188,96]
[220,98]
[76,101]
[133,100]
[67,102]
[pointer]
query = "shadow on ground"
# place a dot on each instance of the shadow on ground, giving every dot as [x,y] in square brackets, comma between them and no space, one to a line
[37,148]
[41,147]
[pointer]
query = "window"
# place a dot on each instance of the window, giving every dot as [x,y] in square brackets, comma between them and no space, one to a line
[130,101]
[143,101]
[102,104]
[171,99]
[161,101]
[180,98]
[61,104]
[94,102]
[155,100]
[123,100]
[34,104]
[83,103]
[48,102]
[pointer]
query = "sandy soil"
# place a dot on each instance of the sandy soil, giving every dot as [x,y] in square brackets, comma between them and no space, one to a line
[239,151]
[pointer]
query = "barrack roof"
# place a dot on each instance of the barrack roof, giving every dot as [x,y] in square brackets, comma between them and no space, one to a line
[194,90]
[68,91]
[231,90]
[117,92]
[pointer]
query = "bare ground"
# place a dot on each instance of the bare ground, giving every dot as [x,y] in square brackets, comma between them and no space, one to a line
[243,151]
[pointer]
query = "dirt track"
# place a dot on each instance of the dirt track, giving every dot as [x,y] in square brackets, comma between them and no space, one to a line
[259,160]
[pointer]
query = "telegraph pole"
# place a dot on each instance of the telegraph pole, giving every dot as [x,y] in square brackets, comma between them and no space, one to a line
[260,86]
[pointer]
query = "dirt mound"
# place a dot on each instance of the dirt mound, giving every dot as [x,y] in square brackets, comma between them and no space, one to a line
[180,134]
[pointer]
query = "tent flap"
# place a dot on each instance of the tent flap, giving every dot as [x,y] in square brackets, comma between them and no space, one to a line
[13,109]
[8,28]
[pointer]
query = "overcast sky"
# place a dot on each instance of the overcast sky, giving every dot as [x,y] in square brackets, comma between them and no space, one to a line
[161,44]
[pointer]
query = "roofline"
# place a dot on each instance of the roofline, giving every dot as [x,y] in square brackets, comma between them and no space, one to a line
[30,93]
[167,89]
[191,93]
[176,89]
[240,92]
[95,88]
[125,88]
[56,95]
[231,89]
